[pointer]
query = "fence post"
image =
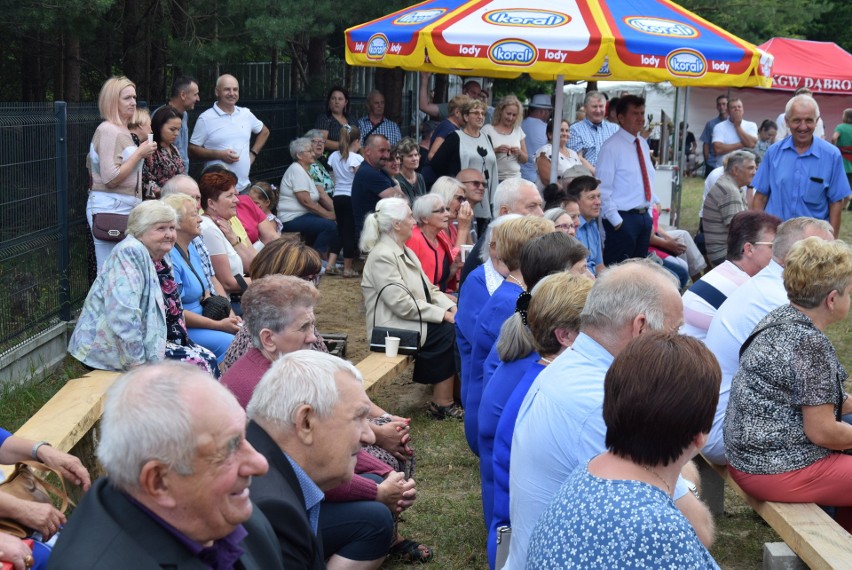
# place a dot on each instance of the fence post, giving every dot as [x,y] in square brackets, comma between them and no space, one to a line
[60,112]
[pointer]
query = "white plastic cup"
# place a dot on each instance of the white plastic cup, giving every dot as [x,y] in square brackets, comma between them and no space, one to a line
[391,346]
[150,137]
[465,249]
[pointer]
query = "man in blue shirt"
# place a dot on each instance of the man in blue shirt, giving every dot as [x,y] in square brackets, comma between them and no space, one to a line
[588,135]
[585,190]
[707,135]
[371,182]
[560,424]
[802,175]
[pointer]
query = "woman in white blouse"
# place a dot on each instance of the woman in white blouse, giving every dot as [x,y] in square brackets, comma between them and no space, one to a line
[507,137]
[567,157]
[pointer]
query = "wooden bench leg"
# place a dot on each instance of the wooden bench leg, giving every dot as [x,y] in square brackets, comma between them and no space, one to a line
[778,556]
[712,488]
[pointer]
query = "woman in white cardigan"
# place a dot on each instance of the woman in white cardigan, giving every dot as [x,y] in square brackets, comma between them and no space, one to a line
[384,235]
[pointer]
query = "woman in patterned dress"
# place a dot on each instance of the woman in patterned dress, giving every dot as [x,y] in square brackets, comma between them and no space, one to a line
[166,162]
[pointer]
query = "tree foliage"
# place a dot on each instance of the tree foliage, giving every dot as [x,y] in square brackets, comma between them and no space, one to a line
[66,48]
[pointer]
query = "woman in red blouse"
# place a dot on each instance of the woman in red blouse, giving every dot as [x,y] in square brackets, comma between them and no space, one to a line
[429,241]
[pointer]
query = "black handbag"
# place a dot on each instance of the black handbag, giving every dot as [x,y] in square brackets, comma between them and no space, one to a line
[409,340]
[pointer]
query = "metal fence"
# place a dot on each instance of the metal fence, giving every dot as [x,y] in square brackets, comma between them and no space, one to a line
[44,275]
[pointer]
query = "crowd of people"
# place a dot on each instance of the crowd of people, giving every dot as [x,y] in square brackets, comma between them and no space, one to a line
[550,312]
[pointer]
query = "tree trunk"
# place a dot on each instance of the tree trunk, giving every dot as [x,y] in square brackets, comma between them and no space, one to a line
[71,62]
[273,75]
[442,86]
[390,83]
[317,69]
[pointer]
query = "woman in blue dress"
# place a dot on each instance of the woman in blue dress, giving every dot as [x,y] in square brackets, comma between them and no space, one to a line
[188,271]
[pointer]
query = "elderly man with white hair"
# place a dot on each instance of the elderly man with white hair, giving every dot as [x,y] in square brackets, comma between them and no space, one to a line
[802,175]
[560,424]
[309,419]
[173,441]
[513,196]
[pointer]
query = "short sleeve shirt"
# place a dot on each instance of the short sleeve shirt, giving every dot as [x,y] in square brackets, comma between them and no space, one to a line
[218,130]
[217,244]
[295,179]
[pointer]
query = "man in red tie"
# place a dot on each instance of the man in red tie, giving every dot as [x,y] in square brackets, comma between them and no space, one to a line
[627,179]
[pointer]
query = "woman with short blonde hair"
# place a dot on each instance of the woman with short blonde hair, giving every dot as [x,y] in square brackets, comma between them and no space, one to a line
[115,166]
[507,137]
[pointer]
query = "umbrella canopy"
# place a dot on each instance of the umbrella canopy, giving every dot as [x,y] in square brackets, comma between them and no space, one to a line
[641,40]
[822,67]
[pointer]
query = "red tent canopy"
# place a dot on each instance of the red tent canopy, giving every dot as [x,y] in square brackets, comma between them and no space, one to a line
[822,67]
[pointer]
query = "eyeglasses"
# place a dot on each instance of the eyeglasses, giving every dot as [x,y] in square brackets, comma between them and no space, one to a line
[761,243]
[476,183]
[564,227]
[441,210]
[317,141]
[460,199]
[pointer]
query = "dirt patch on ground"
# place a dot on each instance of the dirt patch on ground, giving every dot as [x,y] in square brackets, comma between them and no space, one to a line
[341,310]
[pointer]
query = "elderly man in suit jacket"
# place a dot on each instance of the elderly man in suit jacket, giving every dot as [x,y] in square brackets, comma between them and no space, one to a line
[309,419]
[177,495]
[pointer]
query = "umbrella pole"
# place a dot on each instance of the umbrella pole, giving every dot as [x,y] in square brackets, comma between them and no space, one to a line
[682,162]
[416,113]
[557,126]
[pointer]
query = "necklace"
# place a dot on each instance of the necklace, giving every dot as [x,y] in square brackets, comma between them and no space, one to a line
[515,279]
[657,475]
[547,360]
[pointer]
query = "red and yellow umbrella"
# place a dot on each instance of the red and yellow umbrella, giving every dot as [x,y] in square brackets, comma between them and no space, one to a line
[640,40]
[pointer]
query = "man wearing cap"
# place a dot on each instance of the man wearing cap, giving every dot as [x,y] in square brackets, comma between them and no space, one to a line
[587,136]
[534,127]
[627,180]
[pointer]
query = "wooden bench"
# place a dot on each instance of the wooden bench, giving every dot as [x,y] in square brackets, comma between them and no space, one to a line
[807,529]
[378,369]
[69,416]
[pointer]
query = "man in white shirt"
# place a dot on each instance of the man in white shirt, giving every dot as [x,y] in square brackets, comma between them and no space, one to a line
[734,133]
[534,127]
[744,308]
[223,133]
[627,179]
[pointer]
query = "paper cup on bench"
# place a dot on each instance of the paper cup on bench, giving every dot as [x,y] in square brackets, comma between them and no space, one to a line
[391,346]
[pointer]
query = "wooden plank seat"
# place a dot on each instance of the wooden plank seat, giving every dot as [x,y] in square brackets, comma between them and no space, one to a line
[378,369]
[808,530]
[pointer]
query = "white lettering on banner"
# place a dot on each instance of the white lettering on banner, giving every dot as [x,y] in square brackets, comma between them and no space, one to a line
[552,55]
[532,18]
[395,48]
[469,50]
[661,27]
[651,60]
[720,66]
[786,81]
[512,52]
[419,17]
[359,46]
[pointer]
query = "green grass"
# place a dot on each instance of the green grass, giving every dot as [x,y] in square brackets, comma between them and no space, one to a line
[447,515]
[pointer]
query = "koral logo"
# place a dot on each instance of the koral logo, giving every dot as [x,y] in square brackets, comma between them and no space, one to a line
[519,17]
[419,17]
[604,71]
[661,27]
[686,63]
[377,47]
[512,52]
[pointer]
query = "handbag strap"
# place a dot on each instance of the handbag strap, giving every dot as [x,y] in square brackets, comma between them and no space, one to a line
[186,258]
[404,288]
[62,493]
[757,332]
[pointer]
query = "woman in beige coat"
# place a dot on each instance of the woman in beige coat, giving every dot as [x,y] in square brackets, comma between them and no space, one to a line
[384,235]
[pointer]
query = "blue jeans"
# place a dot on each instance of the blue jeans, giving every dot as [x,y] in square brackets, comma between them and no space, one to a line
[317,232]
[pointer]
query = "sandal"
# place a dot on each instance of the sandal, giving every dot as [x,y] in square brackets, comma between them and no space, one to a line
[331,270]
[411,551]
[453,411]
[351,273]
